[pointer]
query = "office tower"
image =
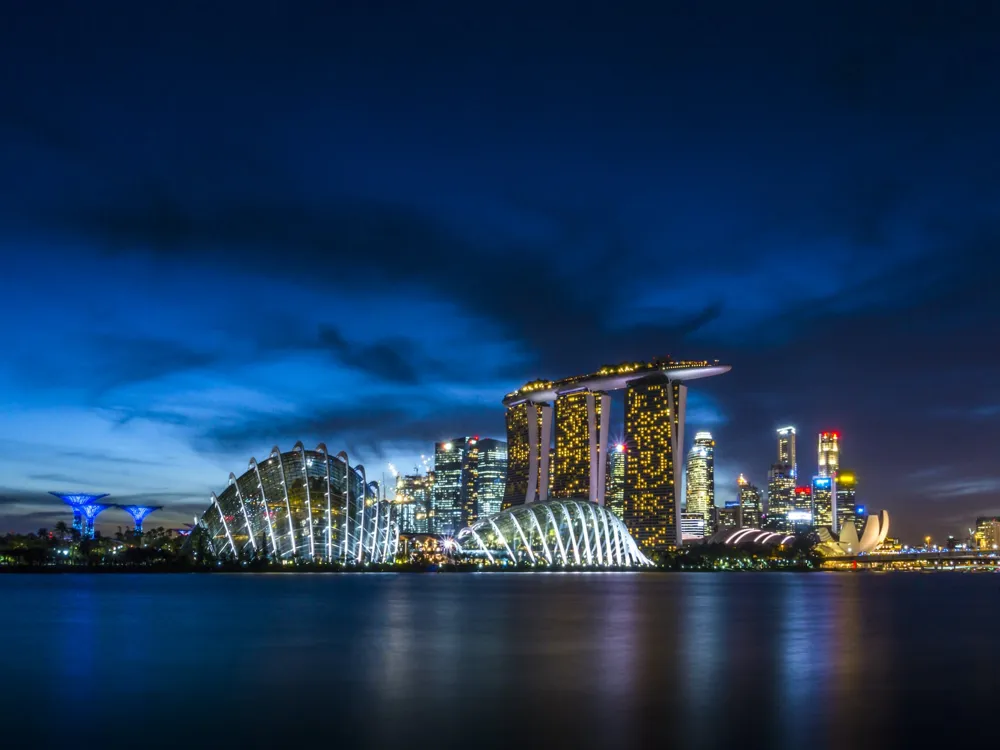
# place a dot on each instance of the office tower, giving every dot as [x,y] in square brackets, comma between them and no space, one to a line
[731,515]
[987,534]
[413,501]
[701,475]
[693,526]
[786,448]
[846,486]
[780,496]
[654,434]
[491,477]
[454,492]
[529,434]
[800,517]
[614,495]
[750,503]
[824,502]
[829,454]
[578,470]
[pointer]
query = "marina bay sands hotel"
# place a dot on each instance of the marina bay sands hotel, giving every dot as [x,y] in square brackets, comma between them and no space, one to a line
[578,408]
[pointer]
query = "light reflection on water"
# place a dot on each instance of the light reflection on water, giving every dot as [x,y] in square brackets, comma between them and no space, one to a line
[555,660]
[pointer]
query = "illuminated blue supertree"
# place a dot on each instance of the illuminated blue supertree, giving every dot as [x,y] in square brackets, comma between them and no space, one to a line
[138,513]
[90,511]
[76,500]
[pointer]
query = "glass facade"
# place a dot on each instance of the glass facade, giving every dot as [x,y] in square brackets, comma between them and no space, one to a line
[454,495]
[519,452]
[700,484]
[829,454]
[823,492]
[846,488]
[651,413]
[302,505]
[750,503]
[780,496]
[786,447]
[614,494]
[491,477]
[413,502]
[558,532]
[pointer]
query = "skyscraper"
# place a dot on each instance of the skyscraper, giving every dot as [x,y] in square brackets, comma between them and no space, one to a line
[454,492]
[701,475]
[491,477]
[413,502]
[987,533]
[780,496]
[829,454]
[578,435]
[786,448]
[750,502]
[846,493]
[614,496]
[654,426]
[529,427]
[824,500]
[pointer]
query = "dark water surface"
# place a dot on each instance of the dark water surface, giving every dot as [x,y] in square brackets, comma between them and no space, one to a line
[500,660]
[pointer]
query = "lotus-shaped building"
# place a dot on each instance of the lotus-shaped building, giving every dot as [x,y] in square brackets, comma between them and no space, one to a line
[875,531]
[302,505]
[557,532]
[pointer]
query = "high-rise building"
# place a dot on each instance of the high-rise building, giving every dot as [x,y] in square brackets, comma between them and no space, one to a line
[614,495]
[786,448]
[731,515]
[987,534]
[701,475]
[846,493]
[529,433]
[780,496]
[491,477]
[693,526]
[750,503]
[654,431]
[454,492]
[829,454]
[413,502]
[800,517]
[824,502]
[578,441]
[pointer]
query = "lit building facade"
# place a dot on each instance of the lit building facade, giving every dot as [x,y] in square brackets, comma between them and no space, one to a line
[786,448]
[454,492]
[800,517]
[693,526]
[302,505]
[614,495]
[529,435]
[824,502]
[413,502]
[987,534]
[846,488]
[654,427]
[731,515]
[829,454]
[751,508]
[780,496]
[581,427]
[491,477]
[654,419]
[700,484]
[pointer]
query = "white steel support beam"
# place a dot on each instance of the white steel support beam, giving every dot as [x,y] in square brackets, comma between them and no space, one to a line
[267,510]
[243,507]
[321,448]
[276,453]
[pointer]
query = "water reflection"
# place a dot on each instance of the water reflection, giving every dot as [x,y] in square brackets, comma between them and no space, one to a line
[553,660]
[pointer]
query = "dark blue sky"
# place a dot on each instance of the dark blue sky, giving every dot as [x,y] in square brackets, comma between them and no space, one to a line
[358,222]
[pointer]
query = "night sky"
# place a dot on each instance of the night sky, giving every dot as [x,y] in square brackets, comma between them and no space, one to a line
[362,223]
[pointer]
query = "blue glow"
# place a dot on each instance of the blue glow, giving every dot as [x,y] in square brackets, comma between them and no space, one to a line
[78,498]
[138,513]
[859,510]
[822,482]
[90,511]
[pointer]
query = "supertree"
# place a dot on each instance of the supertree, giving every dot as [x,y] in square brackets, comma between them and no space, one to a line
[138,513]
[76,500]
[90,511]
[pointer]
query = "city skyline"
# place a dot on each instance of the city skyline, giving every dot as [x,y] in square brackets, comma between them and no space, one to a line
[219,242]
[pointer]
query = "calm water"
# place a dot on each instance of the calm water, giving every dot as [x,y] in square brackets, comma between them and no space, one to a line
[483,661]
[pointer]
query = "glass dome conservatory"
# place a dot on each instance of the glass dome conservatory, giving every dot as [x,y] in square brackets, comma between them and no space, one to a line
[302,505]
[557,532]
